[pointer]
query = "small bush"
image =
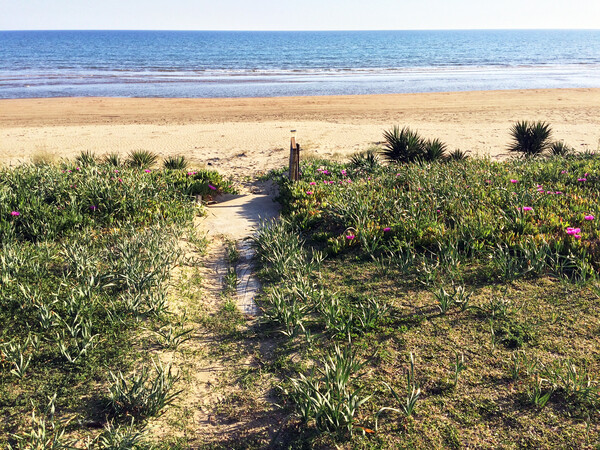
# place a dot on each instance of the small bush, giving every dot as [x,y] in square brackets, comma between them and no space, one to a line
[403,145]
[559,148]
[86,159]
[113,159]
[142,159]
[530,138]
[367,160]
[175,163]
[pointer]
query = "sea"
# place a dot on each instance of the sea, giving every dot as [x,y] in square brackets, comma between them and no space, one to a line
[268,64]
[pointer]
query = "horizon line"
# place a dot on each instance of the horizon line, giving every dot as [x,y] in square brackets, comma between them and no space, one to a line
[302,30]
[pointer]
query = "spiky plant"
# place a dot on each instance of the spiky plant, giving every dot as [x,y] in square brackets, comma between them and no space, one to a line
[86,158]
[559,148]
[434,150]
[367,160]
[402,145]
[530,138]
[175,163]
[113,159]
[457,155]
[143,159]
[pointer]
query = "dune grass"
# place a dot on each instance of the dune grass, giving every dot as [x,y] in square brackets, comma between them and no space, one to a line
[439,305]
[86,254]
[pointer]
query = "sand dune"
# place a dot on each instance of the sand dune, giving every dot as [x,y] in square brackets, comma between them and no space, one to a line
[250,135]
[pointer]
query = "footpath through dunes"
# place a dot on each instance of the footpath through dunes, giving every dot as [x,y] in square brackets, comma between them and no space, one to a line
[218,400]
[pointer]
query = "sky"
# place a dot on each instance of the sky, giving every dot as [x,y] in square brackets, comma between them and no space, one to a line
[296,14]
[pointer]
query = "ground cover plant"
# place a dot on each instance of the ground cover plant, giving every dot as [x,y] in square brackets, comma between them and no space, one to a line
[440,304]
[87,248]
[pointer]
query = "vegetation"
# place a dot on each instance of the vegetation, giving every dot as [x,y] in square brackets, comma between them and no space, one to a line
[475,279]
[86,251]
[530,139]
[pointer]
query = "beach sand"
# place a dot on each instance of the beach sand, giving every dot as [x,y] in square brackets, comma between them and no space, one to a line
[251,135]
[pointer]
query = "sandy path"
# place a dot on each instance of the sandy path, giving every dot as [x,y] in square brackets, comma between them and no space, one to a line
[245,136]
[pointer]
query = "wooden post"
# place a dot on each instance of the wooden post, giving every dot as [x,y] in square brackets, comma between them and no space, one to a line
[294,172]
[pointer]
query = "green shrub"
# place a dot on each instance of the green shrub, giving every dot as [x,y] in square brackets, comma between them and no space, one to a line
[175,163]
[142,159]
[530,139]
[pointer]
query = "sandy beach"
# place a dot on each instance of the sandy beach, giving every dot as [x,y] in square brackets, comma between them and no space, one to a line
[250,135]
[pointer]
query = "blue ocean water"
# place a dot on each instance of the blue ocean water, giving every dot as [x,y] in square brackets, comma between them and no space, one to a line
[264,64]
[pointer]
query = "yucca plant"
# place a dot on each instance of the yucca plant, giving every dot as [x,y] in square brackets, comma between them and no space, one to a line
[403,145]
[86,158]
[530,138]
[175,163]
[434,150]
[457,155]
[113,159]
[142,159]
[367,160]
[559,148]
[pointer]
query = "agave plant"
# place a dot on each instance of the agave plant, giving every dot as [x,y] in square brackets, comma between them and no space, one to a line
[530,138]
[457,155]
[434,150]
[143,159]
[559,148]
[86,158]
[113,159]
[175,163]
[403,145]
[367,160]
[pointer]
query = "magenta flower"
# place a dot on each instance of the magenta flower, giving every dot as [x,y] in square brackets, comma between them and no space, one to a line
[558,192]
[312,183]
[573,231]
[309,192]
[563,171]
[211,187]
[527,208]
[514,181]
[77,168]
[582,179]
[147,170]
[350,237]
[386,229]
[116,171]
[590,217]
[577,236]
[93,207]
[15,213]
[343,172]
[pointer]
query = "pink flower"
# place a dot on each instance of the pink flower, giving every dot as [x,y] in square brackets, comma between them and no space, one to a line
[211,187]
[573,231]
[386,229]
[15,213]
[527,208]
[558,193]
[514,181]
[120,181]
[350,237]
[590,217]
[577,236]
[343,172]
[563,171]
[309,192]
[77,168]
[116,171]
[312,183]
[147,171]
[582,179]
[488,181]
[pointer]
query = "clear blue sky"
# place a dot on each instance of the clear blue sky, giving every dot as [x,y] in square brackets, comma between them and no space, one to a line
[296,14]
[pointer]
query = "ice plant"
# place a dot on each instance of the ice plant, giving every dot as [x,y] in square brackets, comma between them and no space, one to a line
[147,170]
[15,213]
[514,181]
[350,237]
[386,229]
[211,187]
[582,179]
[527,208]
[590,217]
[309,192]
[573,231]
[313,183]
